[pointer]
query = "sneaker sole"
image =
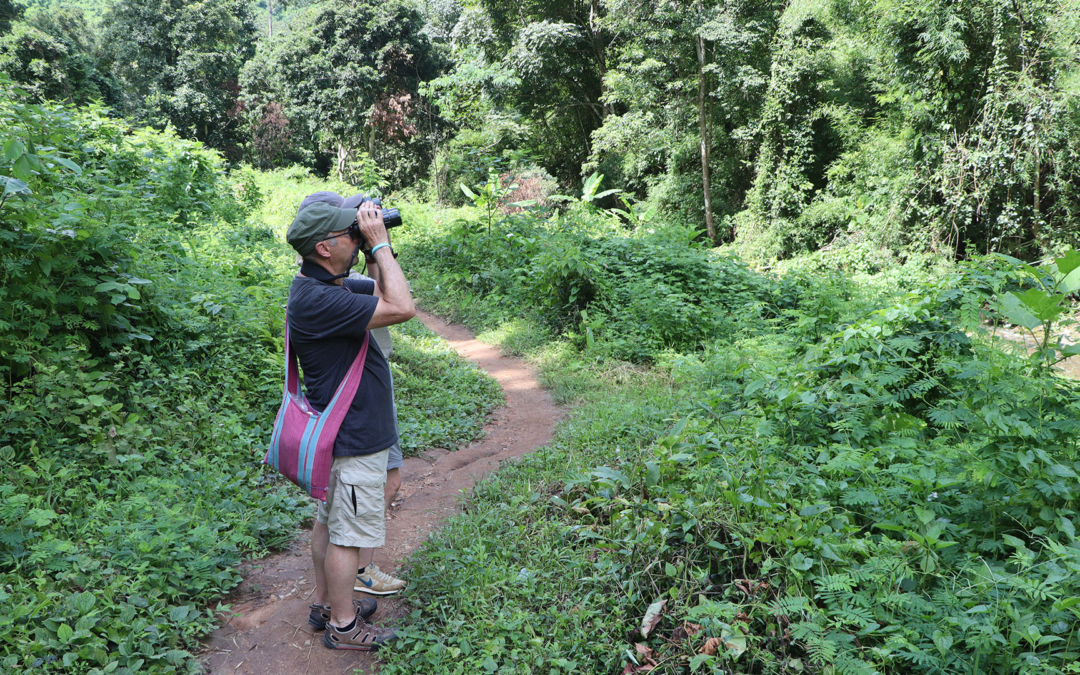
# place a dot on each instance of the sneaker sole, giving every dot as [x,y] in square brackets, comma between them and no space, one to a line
[360,588]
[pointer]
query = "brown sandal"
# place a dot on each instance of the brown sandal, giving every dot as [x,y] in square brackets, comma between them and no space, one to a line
[362,636]
[320,614]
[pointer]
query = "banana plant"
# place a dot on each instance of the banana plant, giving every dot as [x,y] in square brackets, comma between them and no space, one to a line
[590,192]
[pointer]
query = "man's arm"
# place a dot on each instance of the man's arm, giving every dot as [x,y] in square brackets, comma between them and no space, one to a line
[395,300]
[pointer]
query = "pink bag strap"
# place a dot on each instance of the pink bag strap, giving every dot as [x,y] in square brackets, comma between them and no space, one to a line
[346,390]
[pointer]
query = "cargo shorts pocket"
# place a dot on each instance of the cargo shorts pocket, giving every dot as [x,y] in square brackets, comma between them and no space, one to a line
[358,504]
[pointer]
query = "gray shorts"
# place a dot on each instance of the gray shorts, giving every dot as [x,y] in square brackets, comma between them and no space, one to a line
[354,508]
[395,460]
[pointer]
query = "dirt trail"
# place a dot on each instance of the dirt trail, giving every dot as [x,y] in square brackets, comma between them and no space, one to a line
[269,634]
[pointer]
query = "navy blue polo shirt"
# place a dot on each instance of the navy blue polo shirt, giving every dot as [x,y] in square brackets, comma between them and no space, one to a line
[327,324]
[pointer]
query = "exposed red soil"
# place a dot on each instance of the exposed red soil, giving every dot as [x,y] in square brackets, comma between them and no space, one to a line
[267,633]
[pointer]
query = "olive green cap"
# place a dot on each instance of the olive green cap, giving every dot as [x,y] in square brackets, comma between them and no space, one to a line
[314,223]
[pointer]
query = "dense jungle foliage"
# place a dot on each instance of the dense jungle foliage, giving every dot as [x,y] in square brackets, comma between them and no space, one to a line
[141,316]
[821,472]
[784,126]
[761,250]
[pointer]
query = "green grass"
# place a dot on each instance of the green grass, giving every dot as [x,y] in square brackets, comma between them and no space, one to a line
[510,585]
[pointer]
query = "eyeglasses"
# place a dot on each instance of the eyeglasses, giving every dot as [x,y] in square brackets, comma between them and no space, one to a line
[346,233]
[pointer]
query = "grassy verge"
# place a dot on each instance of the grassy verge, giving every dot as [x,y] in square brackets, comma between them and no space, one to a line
[844,481]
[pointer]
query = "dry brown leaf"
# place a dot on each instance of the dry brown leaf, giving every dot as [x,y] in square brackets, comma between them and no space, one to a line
[653,614]
[711,646]
[751,586]
[691,629]
[644,650]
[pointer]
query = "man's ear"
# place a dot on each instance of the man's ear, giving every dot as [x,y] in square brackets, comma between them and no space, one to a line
[322,249]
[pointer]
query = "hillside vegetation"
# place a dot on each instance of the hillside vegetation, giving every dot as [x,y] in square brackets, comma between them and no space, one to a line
[760,250]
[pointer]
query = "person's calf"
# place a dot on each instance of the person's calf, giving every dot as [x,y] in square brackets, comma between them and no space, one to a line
[393,484]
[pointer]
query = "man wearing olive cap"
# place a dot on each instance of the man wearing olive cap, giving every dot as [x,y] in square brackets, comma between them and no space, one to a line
[371,579]
[329,316]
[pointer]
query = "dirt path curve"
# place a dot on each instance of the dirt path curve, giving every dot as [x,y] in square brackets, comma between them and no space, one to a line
[269,634]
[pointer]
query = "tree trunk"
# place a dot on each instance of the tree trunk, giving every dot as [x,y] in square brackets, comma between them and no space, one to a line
[705,128]
[596,38]
[342,158]
[269,18]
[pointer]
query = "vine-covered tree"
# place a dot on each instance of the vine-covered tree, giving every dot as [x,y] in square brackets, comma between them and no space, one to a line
[10,11]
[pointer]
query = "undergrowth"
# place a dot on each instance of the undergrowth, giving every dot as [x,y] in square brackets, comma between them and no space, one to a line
[833,479]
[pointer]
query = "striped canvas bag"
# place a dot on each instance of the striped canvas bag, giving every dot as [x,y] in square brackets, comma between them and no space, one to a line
[302,444]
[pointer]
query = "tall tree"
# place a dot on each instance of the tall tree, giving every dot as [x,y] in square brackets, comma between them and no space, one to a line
[686,85]
[347,78]
[9,13]
[179,63]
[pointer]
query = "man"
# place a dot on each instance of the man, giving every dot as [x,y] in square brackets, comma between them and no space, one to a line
[329,317]
[371,580]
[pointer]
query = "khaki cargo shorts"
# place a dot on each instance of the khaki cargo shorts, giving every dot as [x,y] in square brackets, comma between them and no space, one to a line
[353,511]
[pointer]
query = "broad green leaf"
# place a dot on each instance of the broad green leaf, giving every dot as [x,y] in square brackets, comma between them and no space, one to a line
[1070,350]
[13,149]
[1045,306]
[1014,542]
[652,473]
[1014,309]
[801,562]
[179,613]
[735,644]
[64,632]
[14,186]
[68,164]
[814,509]
[468,193]
[613,475]
[1067,263]
[84,602]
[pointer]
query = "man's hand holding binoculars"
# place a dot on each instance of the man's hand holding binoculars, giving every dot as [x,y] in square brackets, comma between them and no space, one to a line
[369,221]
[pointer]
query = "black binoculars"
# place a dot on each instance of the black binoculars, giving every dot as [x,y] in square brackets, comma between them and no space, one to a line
[391,218]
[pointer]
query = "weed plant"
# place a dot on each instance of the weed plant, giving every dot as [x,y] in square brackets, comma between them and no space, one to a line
[832,479]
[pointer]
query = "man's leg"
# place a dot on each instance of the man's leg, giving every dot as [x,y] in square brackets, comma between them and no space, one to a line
[393,484]
[320,545]
[320,538]
[370,579]
[340,570]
